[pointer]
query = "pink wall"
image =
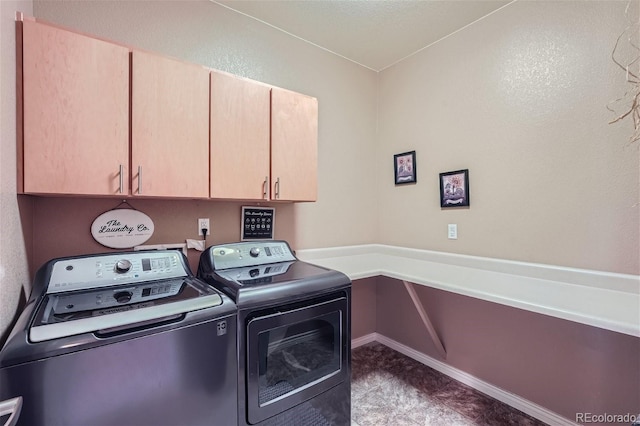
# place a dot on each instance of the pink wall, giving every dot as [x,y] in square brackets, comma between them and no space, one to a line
[61,226]
[363,307]
[563,366]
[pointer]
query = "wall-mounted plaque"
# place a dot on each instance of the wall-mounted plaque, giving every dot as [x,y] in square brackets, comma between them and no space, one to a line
[257,223]
[122,228]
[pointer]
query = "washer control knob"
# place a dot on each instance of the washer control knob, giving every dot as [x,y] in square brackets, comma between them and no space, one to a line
[254,252]
[123,296]
[122,266]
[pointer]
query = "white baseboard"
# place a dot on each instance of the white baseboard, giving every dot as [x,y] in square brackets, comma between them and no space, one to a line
[368,338]
[513,400]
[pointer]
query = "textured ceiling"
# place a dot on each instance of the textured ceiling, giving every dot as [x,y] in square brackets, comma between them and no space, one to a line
[373,33]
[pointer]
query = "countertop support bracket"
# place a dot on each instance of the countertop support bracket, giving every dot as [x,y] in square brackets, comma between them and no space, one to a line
[425,319]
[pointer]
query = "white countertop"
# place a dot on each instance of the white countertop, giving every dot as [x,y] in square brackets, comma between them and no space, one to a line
[600,299]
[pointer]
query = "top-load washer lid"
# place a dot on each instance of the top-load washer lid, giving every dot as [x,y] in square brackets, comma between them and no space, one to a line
[100,293]
[259,272]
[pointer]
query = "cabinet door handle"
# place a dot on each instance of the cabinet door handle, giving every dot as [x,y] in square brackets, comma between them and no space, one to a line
[264,187]
[277,188]
[121,178]
[139,180]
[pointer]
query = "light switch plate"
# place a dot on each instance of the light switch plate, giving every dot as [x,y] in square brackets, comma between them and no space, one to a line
[452,231]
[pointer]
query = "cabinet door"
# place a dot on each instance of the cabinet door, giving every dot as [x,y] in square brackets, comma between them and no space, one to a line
[239,138]
[294,146]
[169,127]
[75,113]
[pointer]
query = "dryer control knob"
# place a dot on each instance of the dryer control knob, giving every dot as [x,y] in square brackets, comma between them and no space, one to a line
[122,266]
[254,252]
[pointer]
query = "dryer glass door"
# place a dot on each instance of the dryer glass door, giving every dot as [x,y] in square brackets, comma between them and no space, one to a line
[294,356]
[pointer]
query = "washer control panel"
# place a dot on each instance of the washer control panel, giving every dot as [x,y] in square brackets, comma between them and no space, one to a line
[250,253]
[115,269]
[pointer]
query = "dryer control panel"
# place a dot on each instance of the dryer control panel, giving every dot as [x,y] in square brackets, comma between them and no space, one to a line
[251,253]
[117,269]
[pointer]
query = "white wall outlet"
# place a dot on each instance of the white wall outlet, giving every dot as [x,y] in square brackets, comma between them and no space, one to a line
[203,223]
[452,229]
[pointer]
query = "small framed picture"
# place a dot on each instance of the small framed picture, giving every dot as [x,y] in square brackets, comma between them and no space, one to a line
[404,166]
[257,223]
[454,188]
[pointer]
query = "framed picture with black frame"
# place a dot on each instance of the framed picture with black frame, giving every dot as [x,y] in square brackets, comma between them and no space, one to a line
[404,167]
[454,189]
[257,223]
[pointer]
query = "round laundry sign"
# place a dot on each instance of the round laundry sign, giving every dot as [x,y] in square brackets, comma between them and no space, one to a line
[122,228]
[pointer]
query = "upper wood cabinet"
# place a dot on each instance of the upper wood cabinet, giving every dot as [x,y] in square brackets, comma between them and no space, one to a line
[264,141]
[102,119]
[240,127]
[294,146]
[169,127]
[75,113]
